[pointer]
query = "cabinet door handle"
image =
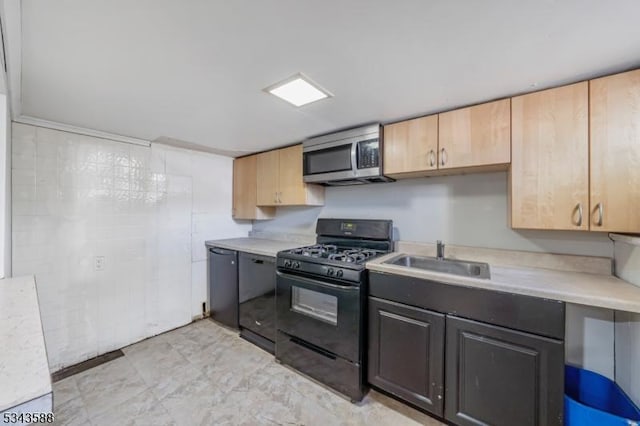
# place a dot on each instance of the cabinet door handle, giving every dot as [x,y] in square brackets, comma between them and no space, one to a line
[432,158]
[579,208]
[443,156]
[275,197]
[279,197]
[600,208]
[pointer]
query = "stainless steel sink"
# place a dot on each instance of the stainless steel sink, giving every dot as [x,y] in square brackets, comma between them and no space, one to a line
[447,266]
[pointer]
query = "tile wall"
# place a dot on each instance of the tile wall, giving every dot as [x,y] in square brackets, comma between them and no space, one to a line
[114,234]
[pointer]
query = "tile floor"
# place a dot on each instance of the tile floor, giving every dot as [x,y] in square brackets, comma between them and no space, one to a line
[204,374]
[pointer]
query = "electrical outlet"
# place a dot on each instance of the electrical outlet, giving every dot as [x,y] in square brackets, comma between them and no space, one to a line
[99,263]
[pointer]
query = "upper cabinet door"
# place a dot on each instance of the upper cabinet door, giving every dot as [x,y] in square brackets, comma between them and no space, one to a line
[268,173]
[549,159]
[291,186]
[244,186]
[475,136]
[411,146]
[245,191]
[615,153]
[280,180]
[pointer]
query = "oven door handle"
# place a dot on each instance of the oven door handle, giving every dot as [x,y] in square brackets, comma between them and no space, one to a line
[319,283]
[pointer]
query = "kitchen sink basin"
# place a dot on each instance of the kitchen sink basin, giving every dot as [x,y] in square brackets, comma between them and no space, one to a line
[447,266]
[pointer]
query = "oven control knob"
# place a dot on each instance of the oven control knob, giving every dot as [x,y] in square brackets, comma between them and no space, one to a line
[330,271]
[296,265]
[287,263]
[339,273]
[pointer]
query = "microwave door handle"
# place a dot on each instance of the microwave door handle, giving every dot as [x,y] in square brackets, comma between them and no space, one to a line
[354,157]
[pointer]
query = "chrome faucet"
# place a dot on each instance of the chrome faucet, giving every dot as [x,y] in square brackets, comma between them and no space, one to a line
[439,250]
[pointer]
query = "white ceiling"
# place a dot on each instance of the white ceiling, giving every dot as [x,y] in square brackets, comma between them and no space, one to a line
[194,70]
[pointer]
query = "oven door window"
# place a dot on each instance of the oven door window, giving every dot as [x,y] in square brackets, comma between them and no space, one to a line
[321,306]
[336,159]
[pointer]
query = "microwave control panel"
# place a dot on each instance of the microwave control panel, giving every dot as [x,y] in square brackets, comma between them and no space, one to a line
[368,154]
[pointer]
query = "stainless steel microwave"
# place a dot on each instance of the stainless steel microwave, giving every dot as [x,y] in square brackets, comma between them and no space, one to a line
[349,157]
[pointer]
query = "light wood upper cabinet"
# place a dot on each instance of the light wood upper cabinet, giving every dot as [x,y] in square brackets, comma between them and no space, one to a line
[268,176]
[549,177]
[292,189]
[245,191]
[615,152]
[411,146]
[475,136]
[280,181]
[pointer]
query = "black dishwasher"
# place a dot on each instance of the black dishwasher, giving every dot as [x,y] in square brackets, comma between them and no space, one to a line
[257,297]
[223,285]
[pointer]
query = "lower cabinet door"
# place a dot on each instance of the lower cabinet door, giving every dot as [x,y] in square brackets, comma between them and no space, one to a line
[406,349]
[496,376]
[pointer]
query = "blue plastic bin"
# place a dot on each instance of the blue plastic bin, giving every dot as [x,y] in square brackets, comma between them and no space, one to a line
[593,400]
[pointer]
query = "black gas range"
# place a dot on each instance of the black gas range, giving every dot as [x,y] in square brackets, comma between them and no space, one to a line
[330,260]
[320,304]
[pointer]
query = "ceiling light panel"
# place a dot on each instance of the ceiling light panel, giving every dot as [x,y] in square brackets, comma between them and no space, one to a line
[298,90]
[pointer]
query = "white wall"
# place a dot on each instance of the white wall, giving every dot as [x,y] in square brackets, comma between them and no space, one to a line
[210,180]
[627,325]
[589,339]
[76,198]
[466,210]
[5,189]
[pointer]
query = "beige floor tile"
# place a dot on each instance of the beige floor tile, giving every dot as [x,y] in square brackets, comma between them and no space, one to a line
[70,413]
[143,409]
[203,375]
[65,390]
[108,385]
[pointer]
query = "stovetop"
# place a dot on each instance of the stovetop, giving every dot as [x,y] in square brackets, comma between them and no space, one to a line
[342,248]
[335,253]
[328,260]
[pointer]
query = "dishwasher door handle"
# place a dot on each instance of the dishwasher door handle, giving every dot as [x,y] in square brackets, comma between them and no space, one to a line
[222,252]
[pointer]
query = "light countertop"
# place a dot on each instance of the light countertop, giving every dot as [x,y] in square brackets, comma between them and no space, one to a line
[600,290]
[24,369]
[591,289]
[256,245]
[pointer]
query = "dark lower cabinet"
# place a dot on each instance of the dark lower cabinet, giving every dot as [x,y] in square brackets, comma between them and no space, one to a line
[406,350]
[500,355]
[497,376]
